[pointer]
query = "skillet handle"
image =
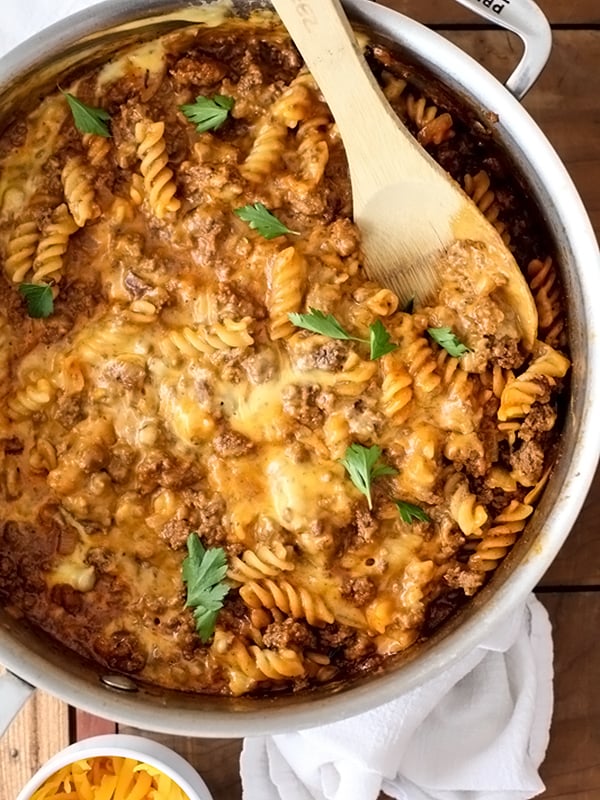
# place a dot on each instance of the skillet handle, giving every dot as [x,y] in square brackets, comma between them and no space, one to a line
[526,19]
[13,693]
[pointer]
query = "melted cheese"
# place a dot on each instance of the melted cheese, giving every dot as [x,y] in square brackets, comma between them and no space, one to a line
[170,393]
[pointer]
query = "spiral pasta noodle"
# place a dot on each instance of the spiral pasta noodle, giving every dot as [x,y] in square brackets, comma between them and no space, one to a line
[296,601]
[522,392]
[52,246]
[286,288]
[262,562]
[500,536]
[20,251]
[265,152]
[545,287]
[79,191]
[159,186]
[478,188]
[30,399]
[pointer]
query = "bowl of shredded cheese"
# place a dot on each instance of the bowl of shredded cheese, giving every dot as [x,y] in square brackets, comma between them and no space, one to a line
[116,767]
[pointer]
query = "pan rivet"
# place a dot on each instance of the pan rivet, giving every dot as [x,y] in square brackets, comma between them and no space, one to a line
[121,682]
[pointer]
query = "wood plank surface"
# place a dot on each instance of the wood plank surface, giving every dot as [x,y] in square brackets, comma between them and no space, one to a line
[564,101]
[448,12]
[38,731]
[87,725]
[571,770]
[578,562]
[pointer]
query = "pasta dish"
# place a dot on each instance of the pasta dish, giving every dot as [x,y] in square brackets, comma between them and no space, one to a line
[231,463]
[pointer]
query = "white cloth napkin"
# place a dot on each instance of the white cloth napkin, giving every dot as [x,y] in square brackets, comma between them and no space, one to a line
[479,731]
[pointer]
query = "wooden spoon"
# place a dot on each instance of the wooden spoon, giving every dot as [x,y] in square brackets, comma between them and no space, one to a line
[416,223]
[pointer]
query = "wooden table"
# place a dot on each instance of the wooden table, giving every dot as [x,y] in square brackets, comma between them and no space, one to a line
[566,104]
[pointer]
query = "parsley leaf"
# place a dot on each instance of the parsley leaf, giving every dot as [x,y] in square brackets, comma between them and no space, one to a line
[379,340]
[203,571]
[449,341]
[410,512]
[88,119]
[361,464]
[260,218]
[326,324]
[39,299]
[208,113]
[318,322]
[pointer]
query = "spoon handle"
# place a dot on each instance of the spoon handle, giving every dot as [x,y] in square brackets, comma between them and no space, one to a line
[379,148]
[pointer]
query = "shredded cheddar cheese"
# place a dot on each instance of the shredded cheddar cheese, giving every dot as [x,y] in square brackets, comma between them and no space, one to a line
[109,778]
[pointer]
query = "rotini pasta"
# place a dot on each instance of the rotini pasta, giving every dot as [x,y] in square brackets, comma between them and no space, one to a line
[21,250]
[79,190]
[52,246]
[299,603]
[159,186]
[286,288]
[182,375]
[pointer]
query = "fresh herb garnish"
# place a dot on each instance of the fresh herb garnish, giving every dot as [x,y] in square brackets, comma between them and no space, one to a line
[379,340]
[259,218]
[203,571]
[361,464]
[449,341]
[326,324]
[319,322]
[88,119]
[39,299]
[208,113]
[410,512]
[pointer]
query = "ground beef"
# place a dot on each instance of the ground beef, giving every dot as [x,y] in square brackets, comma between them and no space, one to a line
[506,353]
[459,577]
[102,559]
[120,463]
[528,460]
[365,524]
[162,469]
[334,636]
[67,597]
[230,443]
[11,445]
[260,367]
[205,73]
[540,419]
[7,567]
[235,302]
[79,299]
[289,633]
[135,285]
[205,515]
[329,356]
[344,237]
[175,533]
[359,591]
[359,647]
[442,608]
[121,651]
[68,410]
[300,402]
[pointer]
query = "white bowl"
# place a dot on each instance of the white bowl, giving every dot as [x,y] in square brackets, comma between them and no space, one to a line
[115,744]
